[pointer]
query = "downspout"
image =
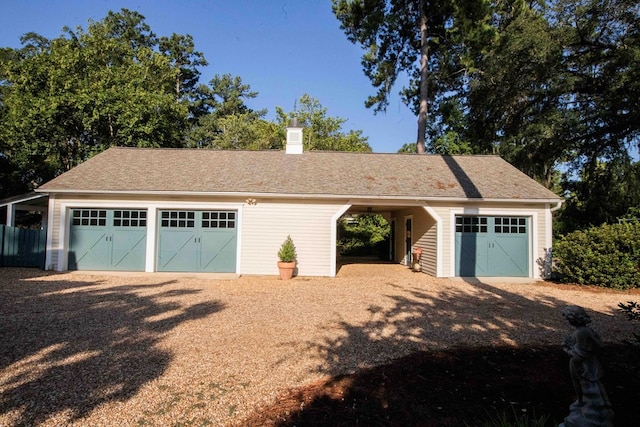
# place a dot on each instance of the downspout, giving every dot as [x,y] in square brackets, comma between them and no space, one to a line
[557,206]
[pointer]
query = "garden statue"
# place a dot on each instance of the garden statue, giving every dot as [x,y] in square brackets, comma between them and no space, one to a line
[592,407]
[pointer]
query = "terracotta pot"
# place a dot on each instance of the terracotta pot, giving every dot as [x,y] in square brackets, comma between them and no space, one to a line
[286,269]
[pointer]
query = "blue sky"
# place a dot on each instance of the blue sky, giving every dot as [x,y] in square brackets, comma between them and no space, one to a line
[281,48]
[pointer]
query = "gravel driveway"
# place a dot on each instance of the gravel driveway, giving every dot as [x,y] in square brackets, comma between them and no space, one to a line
[147,349]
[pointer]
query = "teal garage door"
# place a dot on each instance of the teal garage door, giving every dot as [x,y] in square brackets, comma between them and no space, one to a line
[492,246]
[108,239]
[197,241]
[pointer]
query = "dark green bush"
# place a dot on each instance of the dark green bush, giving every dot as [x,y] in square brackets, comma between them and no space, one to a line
[607,256]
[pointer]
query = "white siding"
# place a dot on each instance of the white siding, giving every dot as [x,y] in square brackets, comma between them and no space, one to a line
[266,225]
[54,245]
[429,257]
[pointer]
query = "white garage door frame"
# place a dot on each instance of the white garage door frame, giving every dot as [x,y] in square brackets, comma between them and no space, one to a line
[533,235]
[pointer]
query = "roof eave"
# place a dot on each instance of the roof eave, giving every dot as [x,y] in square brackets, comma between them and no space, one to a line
[21,199]
[425,199]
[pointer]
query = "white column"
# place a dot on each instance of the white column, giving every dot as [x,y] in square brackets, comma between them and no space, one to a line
[11,215]
[152,238]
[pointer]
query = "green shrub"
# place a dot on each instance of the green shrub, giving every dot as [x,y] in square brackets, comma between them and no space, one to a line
[607,256]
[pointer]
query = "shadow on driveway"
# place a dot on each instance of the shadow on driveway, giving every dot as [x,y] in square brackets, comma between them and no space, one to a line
[67,347]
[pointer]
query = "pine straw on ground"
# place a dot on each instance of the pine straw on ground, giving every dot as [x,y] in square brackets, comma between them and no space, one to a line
[145,349]
[456,387]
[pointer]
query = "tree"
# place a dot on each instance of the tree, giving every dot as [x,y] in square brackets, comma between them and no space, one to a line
[601,193]
[238,131]
[224,121]
[409,147]
[434,43]
[224,95]
[516,93]
[602,58]
[322,132]
[67,98]
[559,85]
[180,49]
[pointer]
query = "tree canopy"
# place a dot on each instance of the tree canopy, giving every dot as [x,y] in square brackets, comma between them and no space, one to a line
[86,90]
[540,83]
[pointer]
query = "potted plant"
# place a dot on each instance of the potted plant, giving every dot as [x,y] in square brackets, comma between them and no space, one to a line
[287,259]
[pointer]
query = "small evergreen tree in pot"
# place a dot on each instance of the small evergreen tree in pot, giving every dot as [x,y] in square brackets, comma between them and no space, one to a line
[287,257]
[287,252]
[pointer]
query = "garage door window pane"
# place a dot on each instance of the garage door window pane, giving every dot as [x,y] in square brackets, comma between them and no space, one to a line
[90,217]
[471,224]
[511,225]
[129,218]
[219,219]
[177,219]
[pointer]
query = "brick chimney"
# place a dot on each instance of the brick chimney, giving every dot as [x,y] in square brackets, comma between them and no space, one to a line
[294,137]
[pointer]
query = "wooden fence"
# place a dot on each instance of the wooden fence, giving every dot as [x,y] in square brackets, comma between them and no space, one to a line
[21,247]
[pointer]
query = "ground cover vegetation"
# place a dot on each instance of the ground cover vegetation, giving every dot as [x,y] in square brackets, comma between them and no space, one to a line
[551,86]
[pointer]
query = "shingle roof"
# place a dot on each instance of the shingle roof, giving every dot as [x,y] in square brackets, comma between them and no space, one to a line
[313,174]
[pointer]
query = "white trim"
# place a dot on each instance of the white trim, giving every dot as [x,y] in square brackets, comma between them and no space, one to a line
[239,208]
[533,240]
[545,269]
[152,226]
[152,239]
[11,214]
[63,239]
[439,253]
[548,225]
[406,256]
[334,239]
[393,222]
[50,224]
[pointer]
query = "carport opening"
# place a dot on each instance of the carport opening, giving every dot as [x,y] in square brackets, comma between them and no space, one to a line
[387,234]
[364,238]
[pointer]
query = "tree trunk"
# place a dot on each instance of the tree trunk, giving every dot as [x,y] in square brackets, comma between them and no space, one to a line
[424,84]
